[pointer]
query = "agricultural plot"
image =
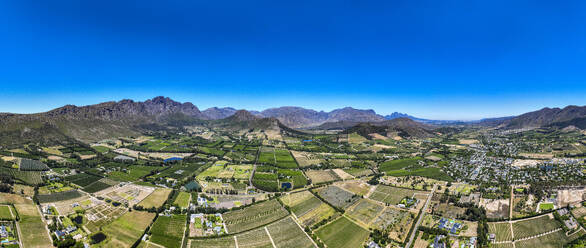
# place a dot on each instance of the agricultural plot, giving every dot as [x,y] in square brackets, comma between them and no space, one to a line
[266,181]
[257,238]
[130,194]
[502,231]
[342,233]
[397,222]
[240,172]
[359,172]
[82,179]
[182,199]
[132,173]
[284,159]
[168,230]
[181,170]
[223,242]
[155,199]
[33,229]
[322,176]
[26,164]
[308,208]
[306,159]
[6,213]
[28,177]
[356,187]
[399,164]
[392,195]
[59,196]
[551,240]
[101,215]
[254,216]
[287,234]
[364,211]
[126,230]
[534,226]
[99,185]
[337,196]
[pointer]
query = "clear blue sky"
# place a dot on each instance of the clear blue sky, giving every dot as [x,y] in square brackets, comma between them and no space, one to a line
[432,59]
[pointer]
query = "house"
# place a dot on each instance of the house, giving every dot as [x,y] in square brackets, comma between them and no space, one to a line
[201,201]
[3,232]
[437,242]
[571,223]
[372,244]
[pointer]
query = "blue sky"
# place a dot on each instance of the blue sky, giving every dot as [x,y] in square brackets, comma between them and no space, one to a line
[432,59]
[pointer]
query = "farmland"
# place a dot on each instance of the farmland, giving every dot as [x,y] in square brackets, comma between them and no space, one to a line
[287,234]
[223,242]
[59,196]
[501,230]
[308,208]
[254,216]
[155,199]
[182,199]
[392,195]
[6,212]
[168,230]
[127,229]
[337,196]
[257,238]
[342,233]
[321,176]
[531,227]
[364,211]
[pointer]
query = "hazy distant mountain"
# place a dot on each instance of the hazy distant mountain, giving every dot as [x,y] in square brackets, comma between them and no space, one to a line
[546,117]
[298,117]
[403,126]
[218,113]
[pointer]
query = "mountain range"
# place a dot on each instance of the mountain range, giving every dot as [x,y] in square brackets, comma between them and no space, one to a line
[128,117]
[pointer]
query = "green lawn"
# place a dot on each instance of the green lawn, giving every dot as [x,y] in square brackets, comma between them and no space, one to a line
[546,206]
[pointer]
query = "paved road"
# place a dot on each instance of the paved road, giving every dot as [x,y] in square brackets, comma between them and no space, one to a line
[423,211]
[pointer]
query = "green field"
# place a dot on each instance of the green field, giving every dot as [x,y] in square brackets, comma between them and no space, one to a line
[534,226]
[5,213]
[501,230]
[168,230]
[398,164]
[342,233]
[223,242]
[546,206]
[254,216]
[126,230]
[287,234]
[392,195]
[155,199]
[182,199]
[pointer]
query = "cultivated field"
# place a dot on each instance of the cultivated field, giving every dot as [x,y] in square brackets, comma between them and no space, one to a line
[257,238]
[101,215]
[397,221]
[168,230]
[254,216]
[321,176]
[223,242]
[308,208]
[6,213]
[342,233]
[182,199]
[534,226]
[287,234]
[501,230]
[364,211]
[356,187]
[156,199]
[392,195]
[337,196]
[126,230]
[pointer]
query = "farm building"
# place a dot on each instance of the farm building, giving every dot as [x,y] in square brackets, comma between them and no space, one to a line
[123,158]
